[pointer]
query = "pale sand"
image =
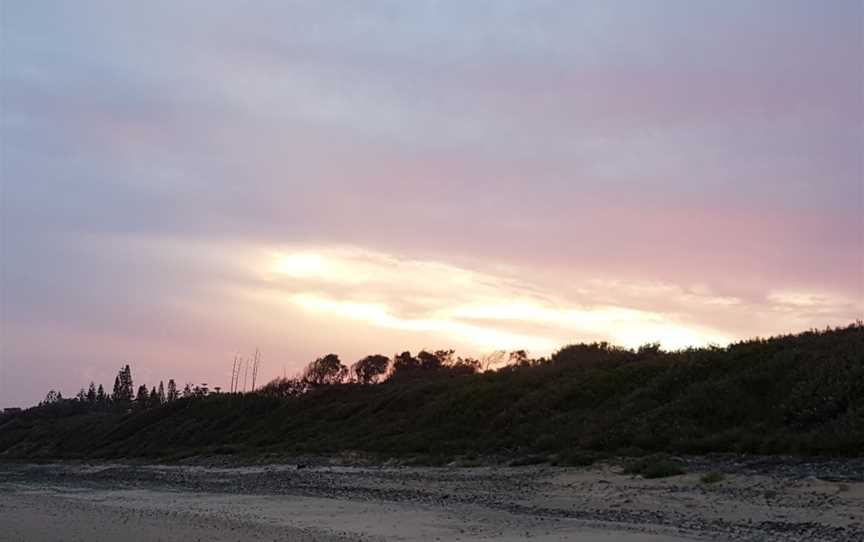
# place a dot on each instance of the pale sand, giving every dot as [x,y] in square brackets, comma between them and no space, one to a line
[777,502]
[48,515]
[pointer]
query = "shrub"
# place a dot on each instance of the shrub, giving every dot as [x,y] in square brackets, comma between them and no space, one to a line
[663,470]
[578,458]
[654,466]
[528,460]
[546,441]
[712,478]
[798,394]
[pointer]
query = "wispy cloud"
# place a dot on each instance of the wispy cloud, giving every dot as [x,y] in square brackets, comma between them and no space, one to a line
[485,310]
[315,176]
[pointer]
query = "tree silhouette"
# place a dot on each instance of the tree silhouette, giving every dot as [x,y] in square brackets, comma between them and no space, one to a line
[161,395]
[100,395]
[369,368]
[465,366]
[283,387]
[123,390]
[52,397]
[431,361]
[142,398]
[172,391]
[518,357]
[325,370]
[405,363]
[91,393]
[153,400]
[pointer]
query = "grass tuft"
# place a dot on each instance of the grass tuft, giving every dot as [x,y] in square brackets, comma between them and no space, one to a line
[712,478]
[655,466]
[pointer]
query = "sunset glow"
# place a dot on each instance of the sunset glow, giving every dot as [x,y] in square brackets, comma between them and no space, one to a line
[183,182]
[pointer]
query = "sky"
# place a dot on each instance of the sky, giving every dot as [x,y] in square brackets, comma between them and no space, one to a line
[183,182]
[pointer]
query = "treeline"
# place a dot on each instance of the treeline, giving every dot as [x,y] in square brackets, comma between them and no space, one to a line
[795,394]
[376,368]
[124,396]
[327,370]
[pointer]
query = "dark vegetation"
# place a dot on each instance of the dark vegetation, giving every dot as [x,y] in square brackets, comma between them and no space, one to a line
[655,466]
[712,478]
[797,394]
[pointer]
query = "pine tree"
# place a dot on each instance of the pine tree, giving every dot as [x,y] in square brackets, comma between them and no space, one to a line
[123,388]
[161,393]
[154,398]
[172,390]
[142,399]
[91,393]
[100,395]
[127,382]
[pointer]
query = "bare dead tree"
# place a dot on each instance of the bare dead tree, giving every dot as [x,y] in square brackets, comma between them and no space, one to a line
[494,359]
[245,375]
[256,363]
[234,369]
[239,370]
[235,374]
[257,366]
[243,366]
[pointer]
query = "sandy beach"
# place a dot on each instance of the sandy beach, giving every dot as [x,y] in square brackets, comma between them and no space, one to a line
[145,515]
[783,502]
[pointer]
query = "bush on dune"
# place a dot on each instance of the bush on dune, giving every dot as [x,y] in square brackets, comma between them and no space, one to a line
[796,394]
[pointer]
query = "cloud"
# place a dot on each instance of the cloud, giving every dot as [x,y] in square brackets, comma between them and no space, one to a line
[316,176]
[815,304]
[484,310]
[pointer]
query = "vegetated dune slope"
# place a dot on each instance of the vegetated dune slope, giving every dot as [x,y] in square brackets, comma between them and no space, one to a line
[798,394]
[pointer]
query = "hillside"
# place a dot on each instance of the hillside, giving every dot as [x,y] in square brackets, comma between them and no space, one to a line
[798,394]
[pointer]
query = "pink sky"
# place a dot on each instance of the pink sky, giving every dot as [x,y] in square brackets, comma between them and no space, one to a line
[183,183]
